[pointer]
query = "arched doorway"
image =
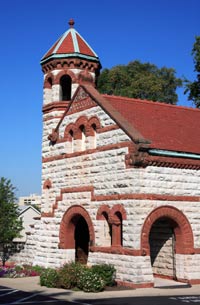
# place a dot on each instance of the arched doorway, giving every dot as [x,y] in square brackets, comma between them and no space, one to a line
[162,243]
[77,232]
[81,241]
[165,233]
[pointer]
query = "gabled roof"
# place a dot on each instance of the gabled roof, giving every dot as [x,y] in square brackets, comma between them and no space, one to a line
[70,44]
[168,127]
[163,126]
[23,208]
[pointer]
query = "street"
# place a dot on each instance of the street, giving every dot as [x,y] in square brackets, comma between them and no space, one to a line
[15,296]
[163,300]
[10,296]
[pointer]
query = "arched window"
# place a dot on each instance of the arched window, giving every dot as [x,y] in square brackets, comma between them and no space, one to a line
[117,215]
[93,128]
[83,137]
[46,193]
[105,238]
[65,88]
[94,133]
[50,83]
[117,228]
[71,137]
[107,230]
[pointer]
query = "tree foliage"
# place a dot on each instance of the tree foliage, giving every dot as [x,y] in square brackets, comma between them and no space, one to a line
[140,80]
[193,88]
[10,224]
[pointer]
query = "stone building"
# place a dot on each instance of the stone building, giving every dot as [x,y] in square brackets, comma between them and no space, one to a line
[120,176]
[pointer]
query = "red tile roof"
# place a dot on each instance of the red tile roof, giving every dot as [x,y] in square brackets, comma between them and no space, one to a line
[71,43]
[168,127]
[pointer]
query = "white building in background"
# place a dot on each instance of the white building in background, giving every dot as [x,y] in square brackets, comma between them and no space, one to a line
[32,199]
[29,215]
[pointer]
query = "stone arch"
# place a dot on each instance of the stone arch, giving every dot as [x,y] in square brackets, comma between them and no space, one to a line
[47,184]
[93,126]
[118,208]
[47,83]
[62,73]
[183,230]
[69,127]
[94,120]
[82,120]
[104,209]
[68,224]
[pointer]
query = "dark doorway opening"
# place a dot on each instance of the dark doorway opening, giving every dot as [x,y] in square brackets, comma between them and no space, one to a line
[162,248]
[81,241]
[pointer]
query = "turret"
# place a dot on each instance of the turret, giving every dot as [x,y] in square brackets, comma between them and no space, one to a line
[68,63]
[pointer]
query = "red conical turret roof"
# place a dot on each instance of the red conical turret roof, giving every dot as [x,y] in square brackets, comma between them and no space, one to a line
[70,44]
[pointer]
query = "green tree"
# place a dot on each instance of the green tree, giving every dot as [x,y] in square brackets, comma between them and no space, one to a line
[10,224]
[140,80]
[193,88]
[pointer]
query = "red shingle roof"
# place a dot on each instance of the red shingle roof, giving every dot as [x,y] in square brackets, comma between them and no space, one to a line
[70,44]
[168,127]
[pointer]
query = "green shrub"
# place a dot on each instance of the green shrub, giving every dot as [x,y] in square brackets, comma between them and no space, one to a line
[90,281]
[18,268]
[75,275]
[49,278]
[68,274]
[38,269]
[106,272]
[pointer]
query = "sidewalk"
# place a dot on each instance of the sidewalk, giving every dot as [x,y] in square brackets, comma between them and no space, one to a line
[163,288]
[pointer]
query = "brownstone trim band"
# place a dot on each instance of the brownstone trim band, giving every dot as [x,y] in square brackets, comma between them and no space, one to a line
[142,196]
[50,118]
[58,106]
[173,162]
[72,63]
[134,285]
[117,250]
[88,151]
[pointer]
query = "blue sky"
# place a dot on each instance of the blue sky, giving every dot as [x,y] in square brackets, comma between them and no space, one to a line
[161,32]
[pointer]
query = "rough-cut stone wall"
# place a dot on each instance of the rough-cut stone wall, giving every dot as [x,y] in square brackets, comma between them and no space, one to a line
[187,266]
[135,269]
[100,177]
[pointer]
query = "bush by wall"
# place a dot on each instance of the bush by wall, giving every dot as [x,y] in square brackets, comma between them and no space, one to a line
[69,274]
[75,275]
[49,278]
[90,281]
[106,272]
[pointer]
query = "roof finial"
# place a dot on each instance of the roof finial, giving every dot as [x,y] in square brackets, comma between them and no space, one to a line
[71,23]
